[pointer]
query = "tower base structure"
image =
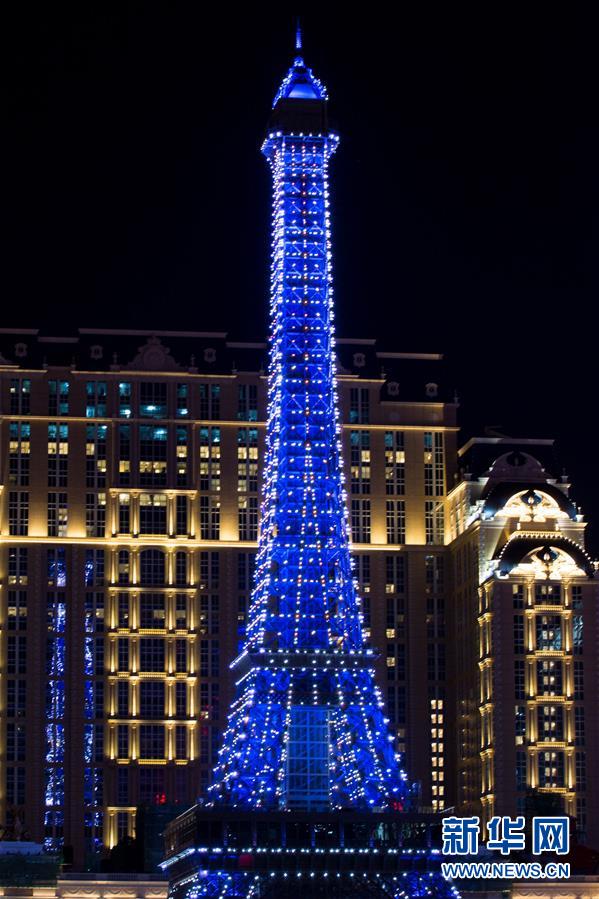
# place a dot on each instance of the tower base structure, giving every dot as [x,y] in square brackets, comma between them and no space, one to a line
[228,852]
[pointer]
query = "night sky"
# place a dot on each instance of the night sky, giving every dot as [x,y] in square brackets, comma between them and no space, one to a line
[465,189]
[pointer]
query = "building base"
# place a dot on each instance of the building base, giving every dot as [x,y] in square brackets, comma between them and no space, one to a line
[225,852]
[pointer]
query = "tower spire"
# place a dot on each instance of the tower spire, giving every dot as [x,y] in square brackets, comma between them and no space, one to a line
[298,35]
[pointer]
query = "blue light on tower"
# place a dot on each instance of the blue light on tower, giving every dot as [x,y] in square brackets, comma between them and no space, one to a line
[307,732]
[307,729]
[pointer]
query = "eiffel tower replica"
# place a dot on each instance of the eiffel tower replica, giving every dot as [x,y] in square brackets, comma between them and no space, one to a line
[309,798]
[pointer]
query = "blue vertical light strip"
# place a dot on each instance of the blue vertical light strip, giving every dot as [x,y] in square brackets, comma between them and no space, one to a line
[93,774]
[55,712]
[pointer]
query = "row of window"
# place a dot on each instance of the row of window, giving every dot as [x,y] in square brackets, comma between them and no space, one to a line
[146,399]
[548,632]
[550,679]
[153,517]
[153,457]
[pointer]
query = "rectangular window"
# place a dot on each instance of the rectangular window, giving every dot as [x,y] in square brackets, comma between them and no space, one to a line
[396,521]
[181,656]
[209,402]
[123,653]
[58,454]
[548,594]
[518,595]
[434,574]
[152,567]
[123,567]
[247,460]
[151,699]
[521,769]
[434,464]
[247,402]
[577,634]
[124,454]
[360,520]
[124,513]
[578,680]
[180,742]
[58,512]
[152,611]
[248,517]
[209,459]
[58,397]
[17,610]
[395,463]
[434,522]
[95,399]
[209,658]
[152,513]
[210,570]
[181,516]
[180,611]
[19,450]
[182,400]
[18,513]
[308,758]
[151,654]
[95,514]
[15,742]
[359,457]
[519,633]
[362,562]
[550,723]
[209,615]
[181,452]
[359,406]
[209,518]
[395,573]
[549,632]
[152,456]
[581,771]
[95,455]
[18,557]
[123,610]
[181,574]
[125,406]
[56,567]
[151,743]
[519,679]
[20,396]
[122,737]
[180,699]
[551,769]
[550,677]
[152,400]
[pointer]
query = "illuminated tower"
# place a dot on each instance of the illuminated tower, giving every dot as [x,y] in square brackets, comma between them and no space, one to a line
[307,780]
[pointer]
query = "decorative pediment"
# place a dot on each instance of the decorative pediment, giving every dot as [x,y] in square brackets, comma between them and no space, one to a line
[154,357]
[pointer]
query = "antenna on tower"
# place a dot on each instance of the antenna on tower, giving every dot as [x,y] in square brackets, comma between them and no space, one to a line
[298,34]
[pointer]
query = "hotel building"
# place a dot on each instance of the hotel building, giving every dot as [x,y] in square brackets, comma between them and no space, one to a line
[129,512]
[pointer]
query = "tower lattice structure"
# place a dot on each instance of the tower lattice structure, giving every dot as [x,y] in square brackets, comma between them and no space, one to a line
[307,740]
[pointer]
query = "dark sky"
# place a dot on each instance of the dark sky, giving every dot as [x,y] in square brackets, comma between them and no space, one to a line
[466,187]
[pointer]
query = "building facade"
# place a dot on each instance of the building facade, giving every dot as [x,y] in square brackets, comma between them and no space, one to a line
[525,629]
[129,514]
